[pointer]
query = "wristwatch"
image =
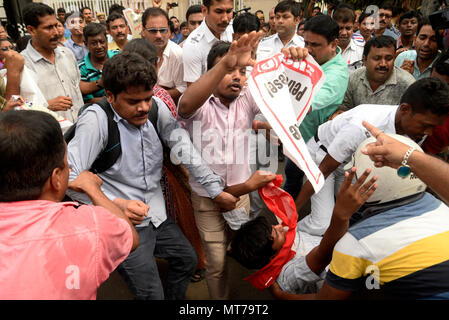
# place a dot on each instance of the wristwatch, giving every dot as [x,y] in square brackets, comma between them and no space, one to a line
[404,170]
[98,85]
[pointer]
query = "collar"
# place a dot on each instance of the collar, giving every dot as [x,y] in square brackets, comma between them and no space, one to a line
[392,79]
[399,42]
[73,43]
[368,211]
[167,49]
[36,55]
[88,62]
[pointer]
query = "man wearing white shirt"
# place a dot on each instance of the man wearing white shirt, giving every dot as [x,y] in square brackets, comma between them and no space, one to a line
[170,68]
[287,17]
[352,51]
[215,26]
[423,106]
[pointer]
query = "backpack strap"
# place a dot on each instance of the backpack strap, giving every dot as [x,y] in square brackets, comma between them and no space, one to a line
[153,114]
[113,148]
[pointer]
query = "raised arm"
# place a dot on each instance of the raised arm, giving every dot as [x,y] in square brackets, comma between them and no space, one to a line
[239,54]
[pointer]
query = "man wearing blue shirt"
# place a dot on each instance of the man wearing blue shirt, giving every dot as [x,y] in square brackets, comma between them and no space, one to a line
[133,181]
[419,62]
[75,23]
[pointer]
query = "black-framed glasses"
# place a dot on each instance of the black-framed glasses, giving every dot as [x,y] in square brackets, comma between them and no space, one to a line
[383,15]
[156,30]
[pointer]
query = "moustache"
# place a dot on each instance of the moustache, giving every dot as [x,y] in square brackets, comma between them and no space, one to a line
[382,69]
[120,34]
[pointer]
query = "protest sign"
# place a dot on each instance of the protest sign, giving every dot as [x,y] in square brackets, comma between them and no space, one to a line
[283,89]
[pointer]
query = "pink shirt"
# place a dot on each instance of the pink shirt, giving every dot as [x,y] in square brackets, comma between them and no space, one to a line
[52,250]
[222,135]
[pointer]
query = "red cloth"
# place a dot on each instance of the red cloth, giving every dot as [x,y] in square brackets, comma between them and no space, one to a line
[283,206]
[438,140]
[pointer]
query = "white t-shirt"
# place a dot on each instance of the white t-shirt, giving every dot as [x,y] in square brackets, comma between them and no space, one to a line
[342,135]
[196,49]
[353,54]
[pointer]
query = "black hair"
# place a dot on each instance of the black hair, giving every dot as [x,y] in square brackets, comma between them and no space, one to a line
[93,29]
[387,6]
[31,147]
[22,42]
[365,15]
[410,15]
[323,25]
[183,25]
[379,42]
[425,21]
[35,10]
[344,14]
[171,26]
[219,49]
[288,6]
[116,8]
[153,12]
[246,22]
[174,17]
[128,69]
[252,244]
[196,8]
[428,94]
[60,10]
[143,47]
[441,64]
[84,8]
[114,16]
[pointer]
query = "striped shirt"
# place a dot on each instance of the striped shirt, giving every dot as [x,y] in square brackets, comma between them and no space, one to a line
[405,250]
[89,74]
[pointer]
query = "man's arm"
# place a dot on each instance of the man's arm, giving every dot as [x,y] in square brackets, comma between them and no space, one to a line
[239,54]
[90,183]
[258,180]
[327,166]
[88,87]
[349,199]
[14,63]
[388,151]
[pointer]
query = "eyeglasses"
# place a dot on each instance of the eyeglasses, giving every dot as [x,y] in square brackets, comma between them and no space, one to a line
[156,30]
[7,48]
[383,15]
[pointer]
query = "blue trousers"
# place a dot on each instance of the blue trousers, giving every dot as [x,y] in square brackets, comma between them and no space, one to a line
[140,270]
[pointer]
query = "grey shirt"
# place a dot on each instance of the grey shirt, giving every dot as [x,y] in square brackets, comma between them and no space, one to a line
[59,79]
[137,173]
[359,90]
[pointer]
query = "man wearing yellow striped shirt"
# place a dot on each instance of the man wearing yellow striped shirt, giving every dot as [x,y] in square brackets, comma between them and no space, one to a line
[399,245]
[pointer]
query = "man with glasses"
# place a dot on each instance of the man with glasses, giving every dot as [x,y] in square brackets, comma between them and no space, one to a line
[170,67]
[385,15]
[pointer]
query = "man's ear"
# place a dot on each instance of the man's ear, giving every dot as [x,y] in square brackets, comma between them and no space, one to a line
[405,108]
[110,97]
[334,44]
[55,180]
[31,30]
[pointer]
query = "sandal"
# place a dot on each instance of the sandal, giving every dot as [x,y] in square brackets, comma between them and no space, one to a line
[198,275]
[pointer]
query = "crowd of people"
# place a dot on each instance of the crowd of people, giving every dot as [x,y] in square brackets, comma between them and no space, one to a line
[117,150]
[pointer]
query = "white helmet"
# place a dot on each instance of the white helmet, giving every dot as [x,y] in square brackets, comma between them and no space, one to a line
[390,185]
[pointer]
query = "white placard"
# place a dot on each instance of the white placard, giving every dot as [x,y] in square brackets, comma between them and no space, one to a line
[283,89]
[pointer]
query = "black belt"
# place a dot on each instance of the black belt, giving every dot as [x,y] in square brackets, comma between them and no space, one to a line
[317,140]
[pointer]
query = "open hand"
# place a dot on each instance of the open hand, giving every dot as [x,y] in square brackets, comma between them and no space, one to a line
[60,103]
[351,197]
[239,53]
